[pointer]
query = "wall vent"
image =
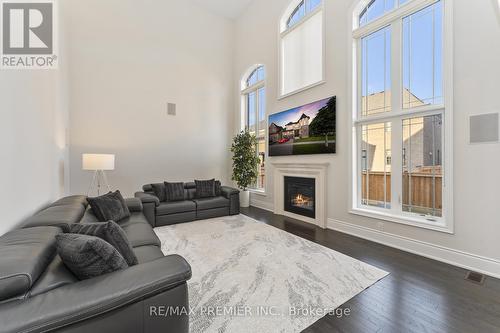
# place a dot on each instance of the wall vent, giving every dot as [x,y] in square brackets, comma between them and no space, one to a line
[484,128]
[171,109]
[475,277]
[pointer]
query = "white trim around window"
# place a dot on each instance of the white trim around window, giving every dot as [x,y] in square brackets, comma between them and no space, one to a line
[245,93]
[394,19]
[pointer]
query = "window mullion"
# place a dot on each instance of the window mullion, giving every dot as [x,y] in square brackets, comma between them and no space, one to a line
[359,75]
[245,113]
[397,125]
[256,113]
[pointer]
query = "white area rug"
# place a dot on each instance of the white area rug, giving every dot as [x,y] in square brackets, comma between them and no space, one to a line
[251,277]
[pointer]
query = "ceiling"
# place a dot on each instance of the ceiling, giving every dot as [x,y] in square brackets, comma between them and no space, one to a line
[228,8]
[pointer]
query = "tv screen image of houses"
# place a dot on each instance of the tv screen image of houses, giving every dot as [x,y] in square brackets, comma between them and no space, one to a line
[306,130]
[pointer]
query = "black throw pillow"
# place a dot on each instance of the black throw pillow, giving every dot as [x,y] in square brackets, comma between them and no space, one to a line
[174,191]
[88,256]
[109,207]
[108,231]
[159,191]
[218,186]
[205,188]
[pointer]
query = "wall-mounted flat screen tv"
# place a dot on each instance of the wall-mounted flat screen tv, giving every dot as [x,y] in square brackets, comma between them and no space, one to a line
[305,130]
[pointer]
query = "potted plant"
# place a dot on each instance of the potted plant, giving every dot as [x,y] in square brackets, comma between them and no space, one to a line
[245,164]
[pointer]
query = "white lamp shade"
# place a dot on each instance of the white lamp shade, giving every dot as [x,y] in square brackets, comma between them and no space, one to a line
[93,162]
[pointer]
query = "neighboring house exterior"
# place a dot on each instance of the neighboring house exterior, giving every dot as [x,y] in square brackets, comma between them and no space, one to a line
[292,130]
[420,137]
[275,133]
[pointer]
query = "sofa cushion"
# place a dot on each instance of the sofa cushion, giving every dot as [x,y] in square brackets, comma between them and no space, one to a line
[109,207]
[24,255]
[56,275]
[168,208]
[56,215]
[190,193]
[159,191]
[88,256]
[148,253]
[134,218]
[74,199]
[108,231]
[134,205]
[205,188]
[210,203]
[174,192]
[140,234]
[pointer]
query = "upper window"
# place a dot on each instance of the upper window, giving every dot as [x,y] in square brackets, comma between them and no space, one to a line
[400,121]
[255,77]
[377,8]
[301,46]
[254,116]
[304,8]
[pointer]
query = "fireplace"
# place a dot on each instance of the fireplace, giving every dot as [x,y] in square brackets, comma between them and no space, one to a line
[300,195]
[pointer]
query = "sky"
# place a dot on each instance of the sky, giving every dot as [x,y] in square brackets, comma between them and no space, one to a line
[422,53]
[283,118]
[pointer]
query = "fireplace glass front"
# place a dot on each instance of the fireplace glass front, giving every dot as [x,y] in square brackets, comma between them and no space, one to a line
[300,195]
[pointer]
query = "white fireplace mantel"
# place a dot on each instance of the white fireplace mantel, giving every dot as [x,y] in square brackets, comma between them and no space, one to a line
[318,171]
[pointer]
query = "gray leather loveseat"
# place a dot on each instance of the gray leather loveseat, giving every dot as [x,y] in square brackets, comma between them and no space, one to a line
[39,294]
[227,202]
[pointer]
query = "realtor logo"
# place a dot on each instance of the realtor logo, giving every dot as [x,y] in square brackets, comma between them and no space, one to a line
[28,34]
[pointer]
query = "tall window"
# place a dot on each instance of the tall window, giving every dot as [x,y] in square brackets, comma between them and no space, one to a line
[254,116]
[301,46]
[402,150]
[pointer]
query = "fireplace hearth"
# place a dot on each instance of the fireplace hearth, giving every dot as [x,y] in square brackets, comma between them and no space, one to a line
[300,196]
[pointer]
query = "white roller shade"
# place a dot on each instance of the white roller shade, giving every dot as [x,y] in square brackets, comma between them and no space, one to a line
[302,55]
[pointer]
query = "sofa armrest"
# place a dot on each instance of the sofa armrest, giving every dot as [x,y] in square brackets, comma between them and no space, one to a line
[149,203]
[88,299]
[148,198]
[134,204]
[227,191]
[234,199]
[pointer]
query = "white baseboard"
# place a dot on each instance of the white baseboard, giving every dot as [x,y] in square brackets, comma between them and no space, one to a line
[458,258]
[262,205]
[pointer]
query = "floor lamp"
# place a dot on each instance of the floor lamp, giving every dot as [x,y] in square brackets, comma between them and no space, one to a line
[98,163]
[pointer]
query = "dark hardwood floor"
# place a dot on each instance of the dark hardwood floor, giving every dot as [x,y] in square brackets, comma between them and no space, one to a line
[419,295]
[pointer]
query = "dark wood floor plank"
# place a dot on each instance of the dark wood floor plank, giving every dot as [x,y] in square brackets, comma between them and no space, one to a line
[420,294]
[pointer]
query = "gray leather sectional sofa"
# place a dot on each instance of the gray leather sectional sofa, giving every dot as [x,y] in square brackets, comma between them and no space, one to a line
[190,209]
[39,294]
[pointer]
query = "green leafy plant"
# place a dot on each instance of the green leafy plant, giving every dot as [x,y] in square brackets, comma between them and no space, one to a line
[324,123]
[245,160]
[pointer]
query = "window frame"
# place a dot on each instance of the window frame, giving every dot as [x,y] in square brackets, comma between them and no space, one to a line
[394,18]
[245,91]
[284,30]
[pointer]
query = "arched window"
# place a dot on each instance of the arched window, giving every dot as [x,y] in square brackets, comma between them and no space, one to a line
[402,111]
[376,8]
[301,33]
[253,92]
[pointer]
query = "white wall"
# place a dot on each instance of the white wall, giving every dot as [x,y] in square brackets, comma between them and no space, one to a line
[33,127]
[33,148]
[128,59]
[477,180]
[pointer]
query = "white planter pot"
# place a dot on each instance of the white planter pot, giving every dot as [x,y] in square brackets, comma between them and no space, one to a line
[245,199]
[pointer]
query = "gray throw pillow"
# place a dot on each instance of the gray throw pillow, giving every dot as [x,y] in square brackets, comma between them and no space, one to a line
[108,231]
[174,191]
[205,188]
[109,207]
[88,256]
[159,191]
